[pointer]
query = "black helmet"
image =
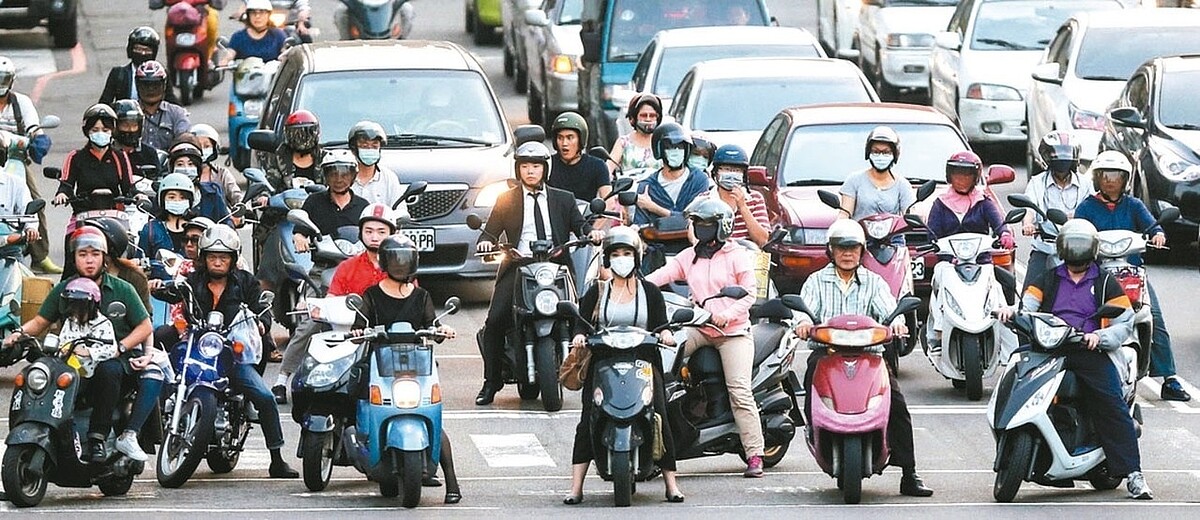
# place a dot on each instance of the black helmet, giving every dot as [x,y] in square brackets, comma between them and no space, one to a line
[98,112]
[570,121]
[115,234]
[128,110]
[142,36]
[622,236]
[669,134]
[635,106]
[398,257]
[1077,242]
[1059,152]
[703,146]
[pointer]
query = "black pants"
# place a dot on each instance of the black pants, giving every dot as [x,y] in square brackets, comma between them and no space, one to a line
[1107,408]
[582,451]
[104,391]
[899,429]
[496,326]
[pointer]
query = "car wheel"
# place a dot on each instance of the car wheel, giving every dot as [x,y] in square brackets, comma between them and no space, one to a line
[533,106]
[65,31]
[469,21]
[509,65]
[522,78]
[886,91]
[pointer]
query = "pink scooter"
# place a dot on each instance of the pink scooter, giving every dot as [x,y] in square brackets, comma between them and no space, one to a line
[850,395]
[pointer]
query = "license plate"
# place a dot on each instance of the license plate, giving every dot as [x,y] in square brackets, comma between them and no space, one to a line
[425,238]
[918,268]
[185,39]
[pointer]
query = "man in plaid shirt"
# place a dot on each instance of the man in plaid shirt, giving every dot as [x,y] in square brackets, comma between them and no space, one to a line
[839,288]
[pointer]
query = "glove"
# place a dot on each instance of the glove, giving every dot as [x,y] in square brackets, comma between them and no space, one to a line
[1007,241]
[39,148]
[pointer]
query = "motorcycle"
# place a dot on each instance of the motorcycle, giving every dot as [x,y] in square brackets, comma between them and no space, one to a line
[12,271]
[189,68]
[1038,413]
[273,236]
[378,19]
[48,419]
[850,396]
[132,212]
[251,84]
[401,421]
[203,418]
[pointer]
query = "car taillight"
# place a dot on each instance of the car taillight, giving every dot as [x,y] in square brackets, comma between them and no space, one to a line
[1082,119]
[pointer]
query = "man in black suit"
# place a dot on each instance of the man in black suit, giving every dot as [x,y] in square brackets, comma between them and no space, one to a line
[513,218]
[142,46]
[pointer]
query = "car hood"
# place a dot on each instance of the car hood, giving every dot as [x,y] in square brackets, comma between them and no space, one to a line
[477,166]
[928,20]
[1092,95]
[1009,68]
[1184,143]
[566,38]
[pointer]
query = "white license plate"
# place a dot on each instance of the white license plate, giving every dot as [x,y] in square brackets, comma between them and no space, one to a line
[185,39]
[425,238]
[918,268]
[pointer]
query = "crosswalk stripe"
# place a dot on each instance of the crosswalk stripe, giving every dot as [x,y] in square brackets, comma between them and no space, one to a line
[518,450]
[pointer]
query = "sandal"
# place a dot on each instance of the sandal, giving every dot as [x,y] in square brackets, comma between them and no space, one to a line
[676,498]
[573,500]
[452,497]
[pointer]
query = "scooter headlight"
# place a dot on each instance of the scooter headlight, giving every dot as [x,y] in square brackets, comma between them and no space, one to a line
[965,248]
[544,277]
[406,393]
[1116,248]
[325,374]
[185,39]
[252,108]
[37,379]
[598,396]
[878,229]
[546,302]
[1049,336]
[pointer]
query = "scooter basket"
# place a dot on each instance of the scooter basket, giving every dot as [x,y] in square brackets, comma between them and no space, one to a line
[34,290]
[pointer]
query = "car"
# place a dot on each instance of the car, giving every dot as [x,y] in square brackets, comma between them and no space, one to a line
[444,123]
[837,20]
[515,34]
[732,100]
[552,52]
[615,32]
[980,66]
[60,17]
[894,38]
[1155,121]
[1087,63]
[815,147]
[483,17]
[672,52]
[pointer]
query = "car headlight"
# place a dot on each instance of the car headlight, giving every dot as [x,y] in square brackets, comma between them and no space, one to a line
[546,302]
[1174,167]
[990,92]
[326,374]
[544,277]
[487,196]
[910,40]
[209,345]
[965,248]
[1115,248]
[406,393]
[38,379]
[1084,120]
[563,64]
[1049,336]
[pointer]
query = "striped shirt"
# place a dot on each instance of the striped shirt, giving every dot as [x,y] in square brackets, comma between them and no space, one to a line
[757,206]
[867,293]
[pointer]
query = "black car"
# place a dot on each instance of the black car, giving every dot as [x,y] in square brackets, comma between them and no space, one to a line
[59,17]
[1156,123]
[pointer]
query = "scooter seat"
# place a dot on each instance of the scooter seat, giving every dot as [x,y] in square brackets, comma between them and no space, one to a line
[767,337]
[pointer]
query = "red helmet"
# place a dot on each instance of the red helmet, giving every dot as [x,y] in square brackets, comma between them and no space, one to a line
[301,130]
[965,161]
[150,71]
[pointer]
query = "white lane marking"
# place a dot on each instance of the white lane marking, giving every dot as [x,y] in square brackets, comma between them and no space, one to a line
[241,511]
[32,62]
[520,450]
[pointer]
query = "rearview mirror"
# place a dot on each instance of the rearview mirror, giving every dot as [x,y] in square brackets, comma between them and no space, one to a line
[735,292]
[948,40]
[830,199]
[906,305]
[474,222]
[599,152]
[597,206]
[528,133]
[263,140]
[411,193]
[1056,216]
[1015,215]
[1048,73]
[683,316]
[796,303]
[592,41]
[776,236]
[451,306]
[49,121]
[926,189]
[567,308]
[52,173]
[536,18]
[627,198]
[303,223]
[1166,215]
[116,310]
[1127,116]
[1020,200]
[37,205]
[266,298]
[914,221]
[622,185]
[1000,174]
[255,174]
[354,302]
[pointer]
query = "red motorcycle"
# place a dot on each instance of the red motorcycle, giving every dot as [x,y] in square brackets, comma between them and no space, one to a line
[189,66]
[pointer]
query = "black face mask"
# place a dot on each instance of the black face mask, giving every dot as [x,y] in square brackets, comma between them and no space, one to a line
[705,233]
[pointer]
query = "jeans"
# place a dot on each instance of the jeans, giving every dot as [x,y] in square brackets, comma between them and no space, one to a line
[737,360]
[246,381]
[149,389]
[1162,359]
[1107,408]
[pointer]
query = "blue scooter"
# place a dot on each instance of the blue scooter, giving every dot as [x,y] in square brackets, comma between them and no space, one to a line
[251,84]
[12,271]
[401,421]
[273,239]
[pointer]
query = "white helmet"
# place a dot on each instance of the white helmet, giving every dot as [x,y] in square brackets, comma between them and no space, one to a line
[8,73]
[845,233]
[379,213]
[207,131]
[1110,160]
[258,5]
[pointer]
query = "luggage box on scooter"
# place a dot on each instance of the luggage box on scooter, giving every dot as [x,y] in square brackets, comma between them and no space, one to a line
[34,290]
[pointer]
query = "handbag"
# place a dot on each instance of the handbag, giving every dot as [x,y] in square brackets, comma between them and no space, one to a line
[575,366]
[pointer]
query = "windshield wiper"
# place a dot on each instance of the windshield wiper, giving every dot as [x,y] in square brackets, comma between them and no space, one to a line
[626,56]
[1184,126]
[1006,44]
[433,140]
[1102,77]
[811,182]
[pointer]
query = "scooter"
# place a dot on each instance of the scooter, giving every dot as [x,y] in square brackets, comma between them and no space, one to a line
[1038,413]
[850,396]
[47,422]
[327,251]
[273,237]
[251,84]
[401,421]
[378,19]
[186,36]
[323,390]
[12,271]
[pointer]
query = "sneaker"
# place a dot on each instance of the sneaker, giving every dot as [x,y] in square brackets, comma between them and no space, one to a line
[1172,390]
[1136,484]
[127,443]
[280,392]
[95,452]
[47,266]
[754,467]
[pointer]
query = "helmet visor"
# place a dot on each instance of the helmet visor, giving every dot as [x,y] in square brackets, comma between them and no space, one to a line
[1076,249]
[1062,165]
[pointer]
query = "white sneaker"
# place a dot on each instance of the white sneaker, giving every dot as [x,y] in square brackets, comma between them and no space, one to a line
[1138,489]
[127,443]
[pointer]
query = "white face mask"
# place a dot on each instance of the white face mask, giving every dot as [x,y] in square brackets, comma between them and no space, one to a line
[698,162]
[176,207]
[368,156]
[100,139]
[881,161]
[190,171]
[674,158]
[622,266]
[207,153]
[729,181]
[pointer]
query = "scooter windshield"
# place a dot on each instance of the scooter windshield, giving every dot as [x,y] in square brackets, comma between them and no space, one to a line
[397,360]
[245,332]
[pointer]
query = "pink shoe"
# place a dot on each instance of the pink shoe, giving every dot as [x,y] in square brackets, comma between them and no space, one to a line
[754,467]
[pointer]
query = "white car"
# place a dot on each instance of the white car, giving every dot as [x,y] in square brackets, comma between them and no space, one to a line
[730,101]
[979,70]
[1086,66]
[895,38]
[836,22]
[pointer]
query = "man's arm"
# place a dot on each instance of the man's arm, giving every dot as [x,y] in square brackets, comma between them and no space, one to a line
[669,272]
[883,303]
[137,336]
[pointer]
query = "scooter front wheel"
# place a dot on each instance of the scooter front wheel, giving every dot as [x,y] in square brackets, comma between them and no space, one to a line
[850,478]
[116,487]
[317,451]
[413,468]
[25,474]
[547,374]
[1014,466]
[621,468]
[972,359]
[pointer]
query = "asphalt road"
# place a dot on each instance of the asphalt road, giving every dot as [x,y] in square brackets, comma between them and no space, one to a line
[515,459]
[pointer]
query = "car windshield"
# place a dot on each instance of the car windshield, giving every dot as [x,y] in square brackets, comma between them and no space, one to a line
[676,61]
[572,11]
[827,154]
[443,107]
[744,104]
[1026,25]
[1114,53]
[1177,107]
[634,22]
[895,3]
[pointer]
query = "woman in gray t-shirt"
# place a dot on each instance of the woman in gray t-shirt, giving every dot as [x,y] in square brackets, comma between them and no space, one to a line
[877,189]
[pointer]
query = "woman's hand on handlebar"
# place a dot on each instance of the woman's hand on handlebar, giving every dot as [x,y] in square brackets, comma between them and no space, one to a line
[300,242]
[1007,241]
[578,341]
[596,236]
[448,332]
[60,199]
[899,329]
[1005,314]
[666,338]
[1091,340]
[1028,229]
[485,246]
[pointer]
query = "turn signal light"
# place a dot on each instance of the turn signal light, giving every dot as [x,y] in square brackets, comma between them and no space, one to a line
[238,348]
[563,65]
[376,395]
[802,263]
[354,32]
[19,381]
[64,380]
[232,109]
[181,325]
[435,394]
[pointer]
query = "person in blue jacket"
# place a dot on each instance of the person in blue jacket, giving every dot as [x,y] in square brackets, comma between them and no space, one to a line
[258,39]
[671,189]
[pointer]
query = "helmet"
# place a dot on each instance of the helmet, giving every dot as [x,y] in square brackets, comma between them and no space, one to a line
[635,106]
[883,134]
[128,110]
[964,161]
[731,154]
[570,121]
[178,182]
[845,233]
[301,130]
[703,146]
[116,235]
[379,213]
[8,74]
[82,289]
[1110,160]
[89,236]
[532,152]
[150,71]
[258,5]
[367,129]
[208,132]
[185,149]
[220,238]
[1077,242]
[1059,151]
[98,112]
[669,134]
[711,210]
[338,160]
[398,257]
[622,236]
[142,36]
[201,223]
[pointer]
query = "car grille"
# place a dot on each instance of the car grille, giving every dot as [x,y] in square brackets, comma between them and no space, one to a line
[437,201]
[445,255]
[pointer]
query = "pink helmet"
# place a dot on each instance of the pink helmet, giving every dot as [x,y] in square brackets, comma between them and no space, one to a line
[81,288]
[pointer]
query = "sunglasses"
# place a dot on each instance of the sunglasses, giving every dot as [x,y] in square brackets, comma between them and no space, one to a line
[192,240]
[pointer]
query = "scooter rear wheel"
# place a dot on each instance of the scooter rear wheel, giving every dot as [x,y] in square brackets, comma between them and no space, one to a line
[25,479]
[116,487]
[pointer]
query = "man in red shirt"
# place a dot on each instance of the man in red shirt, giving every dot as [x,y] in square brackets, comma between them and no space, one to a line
[353,276]
[751,221]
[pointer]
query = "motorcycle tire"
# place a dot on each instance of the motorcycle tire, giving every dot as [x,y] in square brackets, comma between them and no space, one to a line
[1014,466]
[185,95]
[222,461]
[850,479]
[25,479]
[1100,480]
[316,450]
[413,468]
[527,391]
[972,356]
[116,487]
[547,364]
[389,488]
[175,463]
[621,468]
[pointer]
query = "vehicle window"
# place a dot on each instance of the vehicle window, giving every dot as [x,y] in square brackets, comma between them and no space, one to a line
[958,20]
[1113,54]
[634,22]
[643,68]
[676,61]
[684,93]
[774,152]
[1060,49]
[1025,25]
[829,153]
[571,12]
[1177,107]
[278,102]
[1136,94]
[443,103]
[770,133]
[747,104]
[894,3]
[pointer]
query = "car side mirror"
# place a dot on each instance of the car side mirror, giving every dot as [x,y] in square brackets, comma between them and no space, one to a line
[263,140]
[37,205]
[1127,116]
[757,176]
[1048,73]
[948,40]
[1000,174]
[52,173]
[592,41]
[474,222]
[116,310]
[830,199]
[536,18]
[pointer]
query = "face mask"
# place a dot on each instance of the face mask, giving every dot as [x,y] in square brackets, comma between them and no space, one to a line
[206,153]
[881,161]
[368,156]
[705,233]
[698,162]
[674,158]
[622,266]
[645,127]
[100,139]
[190,171]
[129,139]
[729,181]
[176,207]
